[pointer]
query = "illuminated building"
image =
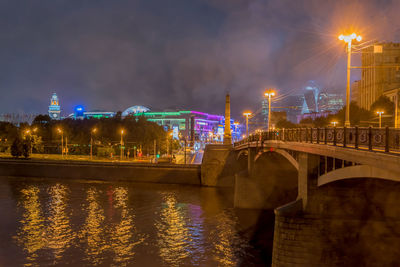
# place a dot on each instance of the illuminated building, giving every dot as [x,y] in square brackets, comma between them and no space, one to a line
[196,127]
[80,113]
[134,110]
[330,102]
[380,74]
[54,108]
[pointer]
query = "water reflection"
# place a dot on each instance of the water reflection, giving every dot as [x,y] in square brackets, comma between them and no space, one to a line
[124,236]
[172,232]
[92,233]
[31,233]
[59,234]
[102,224]
[227,243]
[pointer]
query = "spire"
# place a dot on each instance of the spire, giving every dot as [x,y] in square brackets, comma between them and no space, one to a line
[227,133]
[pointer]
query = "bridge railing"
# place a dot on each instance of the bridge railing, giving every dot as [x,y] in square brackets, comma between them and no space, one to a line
[383,139]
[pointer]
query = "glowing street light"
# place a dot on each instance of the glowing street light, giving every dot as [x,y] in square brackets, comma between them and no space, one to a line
[348,39]
[62,141]
[93,131]
[380,112]
[247,114]
[269,93]
[121,144]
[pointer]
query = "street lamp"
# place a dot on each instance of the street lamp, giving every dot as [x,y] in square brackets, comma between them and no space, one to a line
[247,114]
[348,39]
[184,149]
[62,141]
[269,93]
[380,117]
[122,143]
[94,130]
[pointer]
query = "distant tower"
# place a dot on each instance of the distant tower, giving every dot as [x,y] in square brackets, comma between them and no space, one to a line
[227,133]
[54,108]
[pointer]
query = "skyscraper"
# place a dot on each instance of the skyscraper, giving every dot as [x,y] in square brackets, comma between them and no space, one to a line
[54,108]
[379,72]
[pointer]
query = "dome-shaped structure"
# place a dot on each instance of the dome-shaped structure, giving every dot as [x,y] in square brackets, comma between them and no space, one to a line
[134,110]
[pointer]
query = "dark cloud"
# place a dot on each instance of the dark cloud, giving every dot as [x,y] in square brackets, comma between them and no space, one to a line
[187,54]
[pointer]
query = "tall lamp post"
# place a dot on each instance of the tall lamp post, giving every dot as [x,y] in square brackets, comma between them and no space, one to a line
[93,131]
[380,117]
[269,93]
[348,39]
[62,141]
[121,144]
[247,114]
[29,132]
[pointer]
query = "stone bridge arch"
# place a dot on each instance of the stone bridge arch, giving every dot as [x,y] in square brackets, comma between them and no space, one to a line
[272,182]
[357,171]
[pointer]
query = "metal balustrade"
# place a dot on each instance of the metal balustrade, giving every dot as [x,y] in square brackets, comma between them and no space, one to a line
[381,139]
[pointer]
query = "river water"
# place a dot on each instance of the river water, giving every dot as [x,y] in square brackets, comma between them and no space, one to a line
[80,223]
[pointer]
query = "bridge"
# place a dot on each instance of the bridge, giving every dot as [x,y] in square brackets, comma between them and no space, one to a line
[328,186]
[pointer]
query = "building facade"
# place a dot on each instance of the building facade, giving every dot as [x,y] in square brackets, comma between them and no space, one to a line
[380,72]
[54,108]
[194,126]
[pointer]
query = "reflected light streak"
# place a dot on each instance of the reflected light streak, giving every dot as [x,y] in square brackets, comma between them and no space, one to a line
[59,233]
[227,243]
[124,236]
[173,233]
[93,229]
[30,234]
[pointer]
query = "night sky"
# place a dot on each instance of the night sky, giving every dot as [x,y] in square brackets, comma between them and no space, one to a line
[185,54]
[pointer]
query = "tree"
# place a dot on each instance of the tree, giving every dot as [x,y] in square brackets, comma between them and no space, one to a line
[358,116]
[320,122]
[41,119]
[16,147]
[285,124]
[384,104]
[25,149]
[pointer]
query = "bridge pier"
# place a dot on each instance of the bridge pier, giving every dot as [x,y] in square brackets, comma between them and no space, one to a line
[217,168]
[270,181]
[308,177]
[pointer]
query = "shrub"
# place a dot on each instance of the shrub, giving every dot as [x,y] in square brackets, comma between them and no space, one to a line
[16,148]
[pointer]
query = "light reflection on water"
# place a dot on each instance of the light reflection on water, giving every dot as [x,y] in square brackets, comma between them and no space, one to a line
[123,224]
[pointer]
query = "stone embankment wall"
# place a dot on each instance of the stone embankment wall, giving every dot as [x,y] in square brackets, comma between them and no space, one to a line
[151,173]
[348,223]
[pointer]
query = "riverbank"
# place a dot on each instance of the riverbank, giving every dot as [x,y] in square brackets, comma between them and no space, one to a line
[101,170]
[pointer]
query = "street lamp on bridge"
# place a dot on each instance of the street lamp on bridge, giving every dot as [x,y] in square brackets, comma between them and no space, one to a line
[247,114]
[380,112]
[348,39]
[269,93]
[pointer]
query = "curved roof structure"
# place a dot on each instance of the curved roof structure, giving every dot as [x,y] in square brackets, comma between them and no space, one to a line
[134,110]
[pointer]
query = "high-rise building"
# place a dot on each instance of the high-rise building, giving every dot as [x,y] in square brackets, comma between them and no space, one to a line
[330,102]
[54,108]
[355,92]
[379,74]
